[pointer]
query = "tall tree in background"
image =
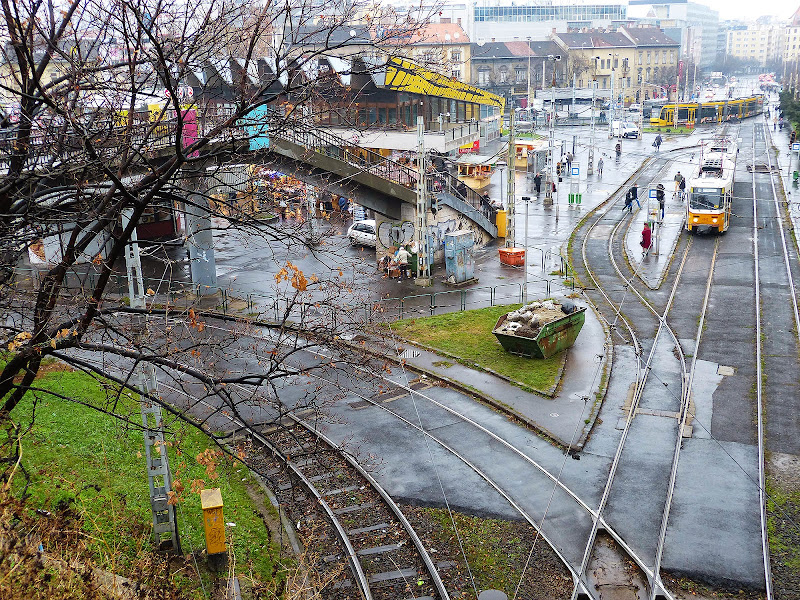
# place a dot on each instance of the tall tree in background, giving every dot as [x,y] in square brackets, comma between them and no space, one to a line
[116,109]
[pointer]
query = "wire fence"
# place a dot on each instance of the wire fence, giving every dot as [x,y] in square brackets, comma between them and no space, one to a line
[313,308]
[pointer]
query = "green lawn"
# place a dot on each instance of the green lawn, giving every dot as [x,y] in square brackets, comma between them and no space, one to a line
[670,130]
[468,336]
[95,463]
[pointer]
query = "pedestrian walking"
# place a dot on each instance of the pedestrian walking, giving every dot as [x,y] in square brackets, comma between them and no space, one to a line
[628,202]
[657,142]
[600,167]
[537,182]
[569,158]
[635,194]
[682,189]
[677,180]
[647,238]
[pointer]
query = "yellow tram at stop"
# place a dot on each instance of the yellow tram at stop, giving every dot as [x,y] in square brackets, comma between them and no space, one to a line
[710,189]
[718,111]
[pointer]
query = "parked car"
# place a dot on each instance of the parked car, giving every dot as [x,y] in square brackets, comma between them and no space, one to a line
[635,107]
[623,129]
[362,233]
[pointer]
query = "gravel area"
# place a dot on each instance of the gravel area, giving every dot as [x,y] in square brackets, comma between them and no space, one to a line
[498,552]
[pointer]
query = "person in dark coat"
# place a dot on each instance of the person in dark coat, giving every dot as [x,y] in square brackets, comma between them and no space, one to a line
[635,194]
[628,202]
[537,182]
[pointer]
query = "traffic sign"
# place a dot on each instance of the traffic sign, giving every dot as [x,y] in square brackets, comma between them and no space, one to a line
[576,171]
[796,147]
[653,193]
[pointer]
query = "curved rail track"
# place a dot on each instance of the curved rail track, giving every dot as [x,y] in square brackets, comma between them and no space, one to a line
[614,276]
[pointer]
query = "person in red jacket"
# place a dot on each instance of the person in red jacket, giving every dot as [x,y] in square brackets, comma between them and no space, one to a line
[647,238]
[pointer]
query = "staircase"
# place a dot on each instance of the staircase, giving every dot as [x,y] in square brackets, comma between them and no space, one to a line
[307,144]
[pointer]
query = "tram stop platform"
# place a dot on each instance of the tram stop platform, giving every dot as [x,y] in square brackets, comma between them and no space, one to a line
[652,266]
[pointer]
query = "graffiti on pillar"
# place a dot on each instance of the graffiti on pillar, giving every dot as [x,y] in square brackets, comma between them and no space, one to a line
[395,234]
[441,228]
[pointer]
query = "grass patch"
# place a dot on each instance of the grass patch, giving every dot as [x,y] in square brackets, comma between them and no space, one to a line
[498,552]
[442,363]
[783,510]
[468,336]
[95,463]
[670,130]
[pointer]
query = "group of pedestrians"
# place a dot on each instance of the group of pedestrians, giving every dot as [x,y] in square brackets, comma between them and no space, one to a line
[680,186]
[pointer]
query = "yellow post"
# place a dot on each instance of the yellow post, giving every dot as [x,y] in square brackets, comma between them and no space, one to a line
[502,223]
[214,524]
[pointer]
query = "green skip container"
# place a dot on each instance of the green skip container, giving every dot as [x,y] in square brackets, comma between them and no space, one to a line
[554,336]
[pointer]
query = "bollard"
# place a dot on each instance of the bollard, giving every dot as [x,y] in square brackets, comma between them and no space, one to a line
[214,525]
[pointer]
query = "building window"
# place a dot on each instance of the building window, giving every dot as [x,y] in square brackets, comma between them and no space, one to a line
[519,76]
[671,56]
[648,58]
[503,75]
[641,57]
[455,56]
[456,74]
[655,58]
[616,63]
[483,77]
[664,57]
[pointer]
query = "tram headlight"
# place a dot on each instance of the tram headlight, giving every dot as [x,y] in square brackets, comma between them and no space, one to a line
[696,219]
[714,220]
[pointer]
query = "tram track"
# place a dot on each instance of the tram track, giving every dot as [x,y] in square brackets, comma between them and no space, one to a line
[584,589]
[643,371]
[617,276]
[319,481]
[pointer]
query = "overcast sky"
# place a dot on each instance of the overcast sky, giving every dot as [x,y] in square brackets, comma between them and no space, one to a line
[748,10]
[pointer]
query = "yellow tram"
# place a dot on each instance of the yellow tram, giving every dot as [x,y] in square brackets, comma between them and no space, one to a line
[710,189]
[718,111]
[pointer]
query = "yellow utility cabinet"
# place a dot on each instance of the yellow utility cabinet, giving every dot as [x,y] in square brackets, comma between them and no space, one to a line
[502,223]
[211,502]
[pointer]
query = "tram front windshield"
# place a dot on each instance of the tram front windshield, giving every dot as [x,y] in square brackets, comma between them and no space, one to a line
[705,198]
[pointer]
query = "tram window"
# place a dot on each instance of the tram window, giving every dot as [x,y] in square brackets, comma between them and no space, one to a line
[708,112]
[683,114]
[705,198]
[392,116]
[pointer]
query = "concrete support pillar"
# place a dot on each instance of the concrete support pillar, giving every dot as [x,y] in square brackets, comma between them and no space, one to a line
[200,239]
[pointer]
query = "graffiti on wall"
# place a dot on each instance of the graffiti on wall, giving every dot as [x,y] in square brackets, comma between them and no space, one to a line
[401,233]
[395,234]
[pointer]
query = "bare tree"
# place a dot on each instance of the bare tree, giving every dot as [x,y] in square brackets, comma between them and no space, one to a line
[114,112]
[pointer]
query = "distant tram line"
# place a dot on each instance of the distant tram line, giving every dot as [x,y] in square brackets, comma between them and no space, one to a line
[691,114]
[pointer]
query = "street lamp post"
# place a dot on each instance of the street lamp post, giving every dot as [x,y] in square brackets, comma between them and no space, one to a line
[529,75]
[590,166]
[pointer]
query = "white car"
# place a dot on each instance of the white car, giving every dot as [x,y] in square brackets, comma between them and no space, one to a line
[635,107]
[362,233]
[626,129]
